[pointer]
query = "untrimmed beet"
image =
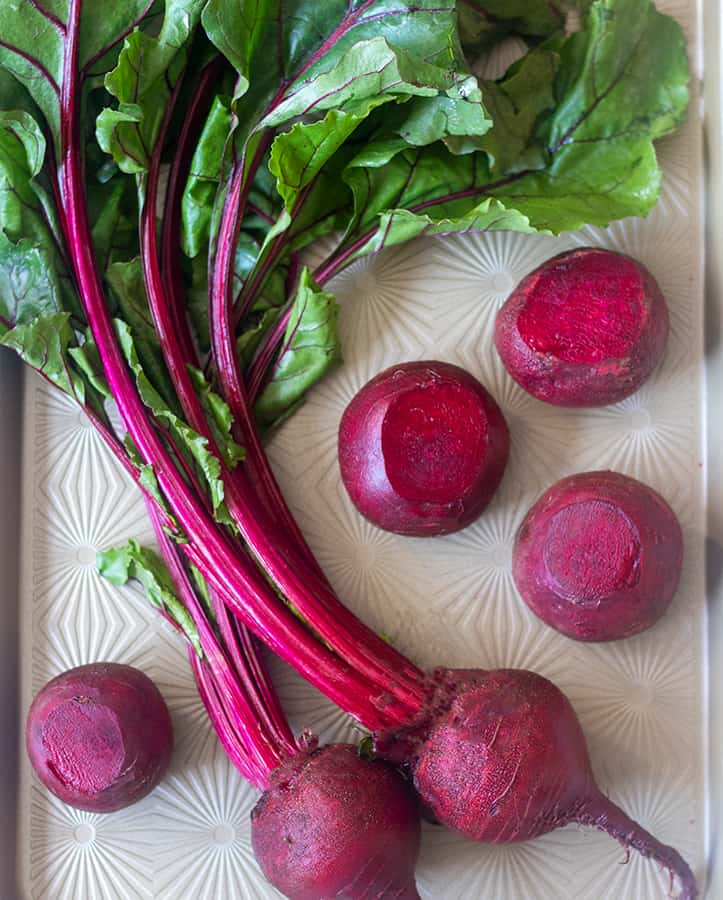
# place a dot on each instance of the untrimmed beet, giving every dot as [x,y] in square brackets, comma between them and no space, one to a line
[586,328]
[422,448]
[598,557]
[333,824]
[502,758]
[99,736]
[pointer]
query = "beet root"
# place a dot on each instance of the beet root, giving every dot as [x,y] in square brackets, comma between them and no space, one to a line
[333,824]
[422,449]
[505,760]
[99,736]
[586,328]
[598,557]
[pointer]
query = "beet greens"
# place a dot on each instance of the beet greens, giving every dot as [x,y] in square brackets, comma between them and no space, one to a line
[358,120]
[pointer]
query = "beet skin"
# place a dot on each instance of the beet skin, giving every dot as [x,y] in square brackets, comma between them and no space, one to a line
[422,448]
[598,557]
[99,736]
[586,328]
[501,758]
[333,824]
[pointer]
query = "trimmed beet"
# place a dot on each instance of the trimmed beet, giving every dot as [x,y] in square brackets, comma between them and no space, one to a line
[422,448]
[333,824]
[598,557]
[99,736]
[502,758]
[586,328]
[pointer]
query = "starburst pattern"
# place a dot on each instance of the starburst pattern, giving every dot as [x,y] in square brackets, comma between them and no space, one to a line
[536,869]
[653,435]
[643,703]
[386,302]
[76,854]
[203,823]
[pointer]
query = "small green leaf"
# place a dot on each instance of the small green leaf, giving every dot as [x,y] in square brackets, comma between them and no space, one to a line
[119,565]
[310,349]
[43,344]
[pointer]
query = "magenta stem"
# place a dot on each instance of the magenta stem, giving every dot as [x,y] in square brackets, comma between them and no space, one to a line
[264,744]
[228,572]
[312,596]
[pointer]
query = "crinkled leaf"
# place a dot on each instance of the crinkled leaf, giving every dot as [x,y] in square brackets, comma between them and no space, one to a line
[126,281]
[119,565]
[33,43]
[620,84]
[219,418]
[309,350]
[29,286]
[190,442]
[482,22]
[43,344]
[142,81]
[202,184]
[515,104]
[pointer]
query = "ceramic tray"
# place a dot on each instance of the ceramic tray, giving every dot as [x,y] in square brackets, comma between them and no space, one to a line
[643,702]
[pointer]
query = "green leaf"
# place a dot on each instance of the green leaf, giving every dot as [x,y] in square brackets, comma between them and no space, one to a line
[142,81]
[250,338]
[191,443]
[515,104]
[310,349]
[483,22]
[119,565]
[202,184]
[219,417]
[590,158]
[43,344]
[29,286]
[34,44]
[127,283]
[87,360]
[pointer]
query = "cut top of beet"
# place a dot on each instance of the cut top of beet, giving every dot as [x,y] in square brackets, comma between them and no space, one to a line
[433,442]
[586,308]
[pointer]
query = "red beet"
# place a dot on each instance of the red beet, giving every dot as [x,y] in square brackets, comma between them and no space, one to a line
[505,760]
[99,736]
[598,557]
[586,328]
[333,824]
[422,448]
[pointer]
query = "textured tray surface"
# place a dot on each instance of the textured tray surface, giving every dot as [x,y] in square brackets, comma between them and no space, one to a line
[446,601]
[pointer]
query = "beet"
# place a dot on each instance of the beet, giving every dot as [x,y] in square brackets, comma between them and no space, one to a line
[598,557]
[586,328]
[333,824]
[422,448]
[99,736]
[504,759]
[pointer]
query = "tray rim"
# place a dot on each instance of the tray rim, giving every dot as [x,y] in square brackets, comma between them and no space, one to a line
[15,390]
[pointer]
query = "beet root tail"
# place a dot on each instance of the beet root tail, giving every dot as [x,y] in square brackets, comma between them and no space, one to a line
[603,814]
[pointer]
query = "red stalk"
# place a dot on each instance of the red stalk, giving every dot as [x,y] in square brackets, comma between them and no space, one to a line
[214,555]
[364,649]
[372,657]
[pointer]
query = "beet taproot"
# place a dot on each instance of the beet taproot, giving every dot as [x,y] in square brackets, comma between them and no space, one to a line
[598,557]
[501,757]
[333,824]
[422,448]
[99,736]
[586,328]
